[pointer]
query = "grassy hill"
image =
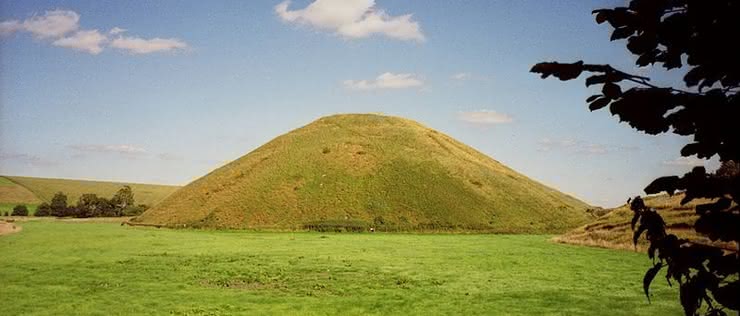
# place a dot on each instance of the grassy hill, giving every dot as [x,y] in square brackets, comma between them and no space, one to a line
[368,170]
[613,230]
[33,191]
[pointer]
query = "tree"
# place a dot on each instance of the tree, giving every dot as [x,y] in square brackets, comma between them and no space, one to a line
[123,199]
[59,205]
[87,205]
[698,37]
[20,210]
[44,209]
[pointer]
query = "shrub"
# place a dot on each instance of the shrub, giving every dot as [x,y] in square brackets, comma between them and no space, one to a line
[44,209]
[20,210]
[337,225]
[135,210]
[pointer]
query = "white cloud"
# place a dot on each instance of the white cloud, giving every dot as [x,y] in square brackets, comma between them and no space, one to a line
[137,45]
[385,81]
[685,161]
[352,19]
[10,27]
[86,41]
[461,76]
[485,117]
[61,28]
[118,149]
[53,24]
[116,30]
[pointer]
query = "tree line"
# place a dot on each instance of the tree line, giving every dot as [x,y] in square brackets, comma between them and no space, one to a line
[88,205]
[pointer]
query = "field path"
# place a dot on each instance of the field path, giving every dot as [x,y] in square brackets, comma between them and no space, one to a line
[8,228]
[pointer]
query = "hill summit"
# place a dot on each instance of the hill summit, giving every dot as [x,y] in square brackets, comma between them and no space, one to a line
[372,171]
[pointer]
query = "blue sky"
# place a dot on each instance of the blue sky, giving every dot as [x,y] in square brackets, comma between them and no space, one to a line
[166,91]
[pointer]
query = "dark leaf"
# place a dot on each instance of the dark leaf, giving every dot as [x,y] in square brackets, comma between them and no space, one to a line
[595,79]
[728,295]
[593,97]
[634,220]
[601,15]
[690,297]
[638,232]
[599,103]
[663,184]
[649,276]
[622,32]
[611,90]
[562,71]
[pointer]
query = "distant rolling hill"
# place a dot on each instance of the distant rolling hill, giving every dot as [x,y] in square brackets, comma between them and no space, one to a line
[373,170]
[33,191]
[613,230]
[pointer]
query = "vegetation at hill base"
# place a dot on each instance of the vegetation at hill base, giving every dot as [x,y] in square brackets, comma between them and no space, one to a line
[345,171]
[29,190]
[147,271]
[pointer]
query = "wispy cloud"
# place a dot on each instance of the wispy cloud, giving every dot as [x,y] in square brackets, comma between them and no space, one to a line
[86,41]
[137,45]
[116,30]
[581,147]
[31,160]
[485,117]
[685,162]
[62,29]
[385,81]
[117,149]
[461,76]
[170,157]
[352,19]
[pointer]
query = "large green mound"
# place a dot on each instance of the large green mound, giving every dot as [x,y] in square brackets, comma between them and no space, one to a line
[368,170]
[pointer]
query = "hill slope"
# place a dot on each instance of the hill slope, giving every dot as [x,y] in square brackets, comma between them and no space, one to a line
[29,190]
[613,230]
[374,169]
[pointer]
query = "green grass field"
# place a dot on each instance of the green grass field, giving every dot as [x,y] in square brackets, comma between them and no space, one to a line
[67,267]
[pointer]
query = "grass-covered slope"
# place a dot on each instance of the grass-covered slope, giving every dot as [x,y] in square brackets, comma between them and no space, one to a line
[613,230]
[37,190]
[380,170]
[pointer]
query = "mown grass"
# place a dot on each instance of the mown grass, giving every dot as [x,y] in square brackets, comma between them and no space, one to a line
[64,268]
[44,189]
[365,167]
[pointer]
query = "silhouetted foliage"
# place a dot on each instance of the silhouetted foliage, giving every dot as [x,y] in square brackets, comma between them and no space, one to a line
[7,214]
[701,34]
[20,210]
[44,209]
